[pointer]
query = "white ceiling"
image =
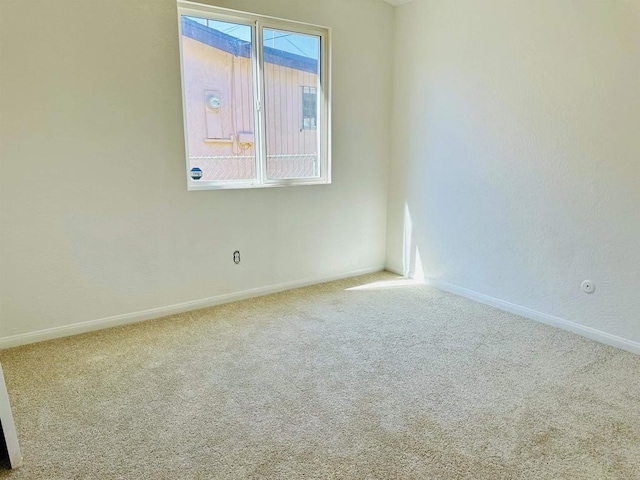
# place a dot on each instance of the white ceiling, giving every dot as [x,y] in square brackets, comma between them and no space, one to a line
[397,2]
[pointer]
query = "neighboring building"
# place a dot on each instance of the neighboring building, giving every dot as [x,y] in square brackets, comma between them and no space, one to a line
[219,106]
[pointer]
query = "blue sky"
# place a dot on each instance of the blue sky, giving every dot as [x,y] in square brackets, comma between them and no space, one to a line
[305,45]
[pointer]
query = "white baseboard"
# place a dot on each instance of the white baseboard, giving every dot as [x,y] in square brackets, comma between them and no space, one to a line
[99,324]
[397,271]
[594,334]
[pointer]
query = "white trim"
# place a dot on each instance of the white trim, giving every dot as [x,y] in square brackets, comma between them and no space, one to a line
[397,271]
[8,427]
[258,23]
[153,313]
[589,332]
[260,107]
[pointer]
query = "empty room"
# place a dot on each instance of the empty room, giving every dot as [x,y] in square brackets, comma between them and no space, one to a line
[320,239]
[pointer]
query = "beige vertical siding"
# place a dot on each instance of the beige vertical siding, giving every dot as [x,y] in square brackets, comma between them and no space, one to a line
[208,68]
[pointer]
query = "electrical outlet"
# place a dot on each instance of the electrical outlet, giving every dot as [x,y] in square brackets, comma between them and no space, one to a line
[236,257]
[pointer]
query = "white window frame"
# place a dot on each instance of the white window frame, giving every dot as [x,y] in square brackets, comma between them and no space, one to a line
[258,23]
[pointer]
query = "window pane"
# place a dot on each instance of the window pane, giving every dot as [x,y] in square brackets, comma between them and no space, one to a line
[218,95]
[291,83]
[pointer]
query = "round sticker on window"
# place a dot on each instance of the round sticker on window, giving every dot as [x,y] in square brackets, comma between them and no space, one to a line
[196,173]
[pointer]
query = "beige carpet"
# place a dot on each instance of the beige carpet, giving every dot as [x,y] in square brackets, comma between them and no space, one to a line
[328,382]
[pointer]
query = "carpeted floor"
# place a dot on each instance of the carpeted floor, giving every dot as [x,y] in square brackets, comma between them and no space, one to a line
[384,381]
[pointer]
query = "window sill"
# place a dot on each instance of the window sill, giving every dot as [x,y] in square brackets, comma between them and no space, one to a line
[194,186]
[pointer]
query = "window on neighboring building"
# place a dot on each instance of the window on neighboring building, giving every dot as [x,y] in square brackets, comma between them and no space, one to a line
[242,75]
[309,107]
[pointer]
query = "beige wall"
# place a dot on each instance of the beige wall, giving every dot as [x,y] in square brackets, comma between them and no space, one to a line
[96,218]
[515,165]
[514,168]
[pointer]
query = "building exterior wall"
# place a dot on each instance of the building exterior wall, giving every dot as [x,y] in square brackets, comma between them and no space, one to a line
[229,154]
